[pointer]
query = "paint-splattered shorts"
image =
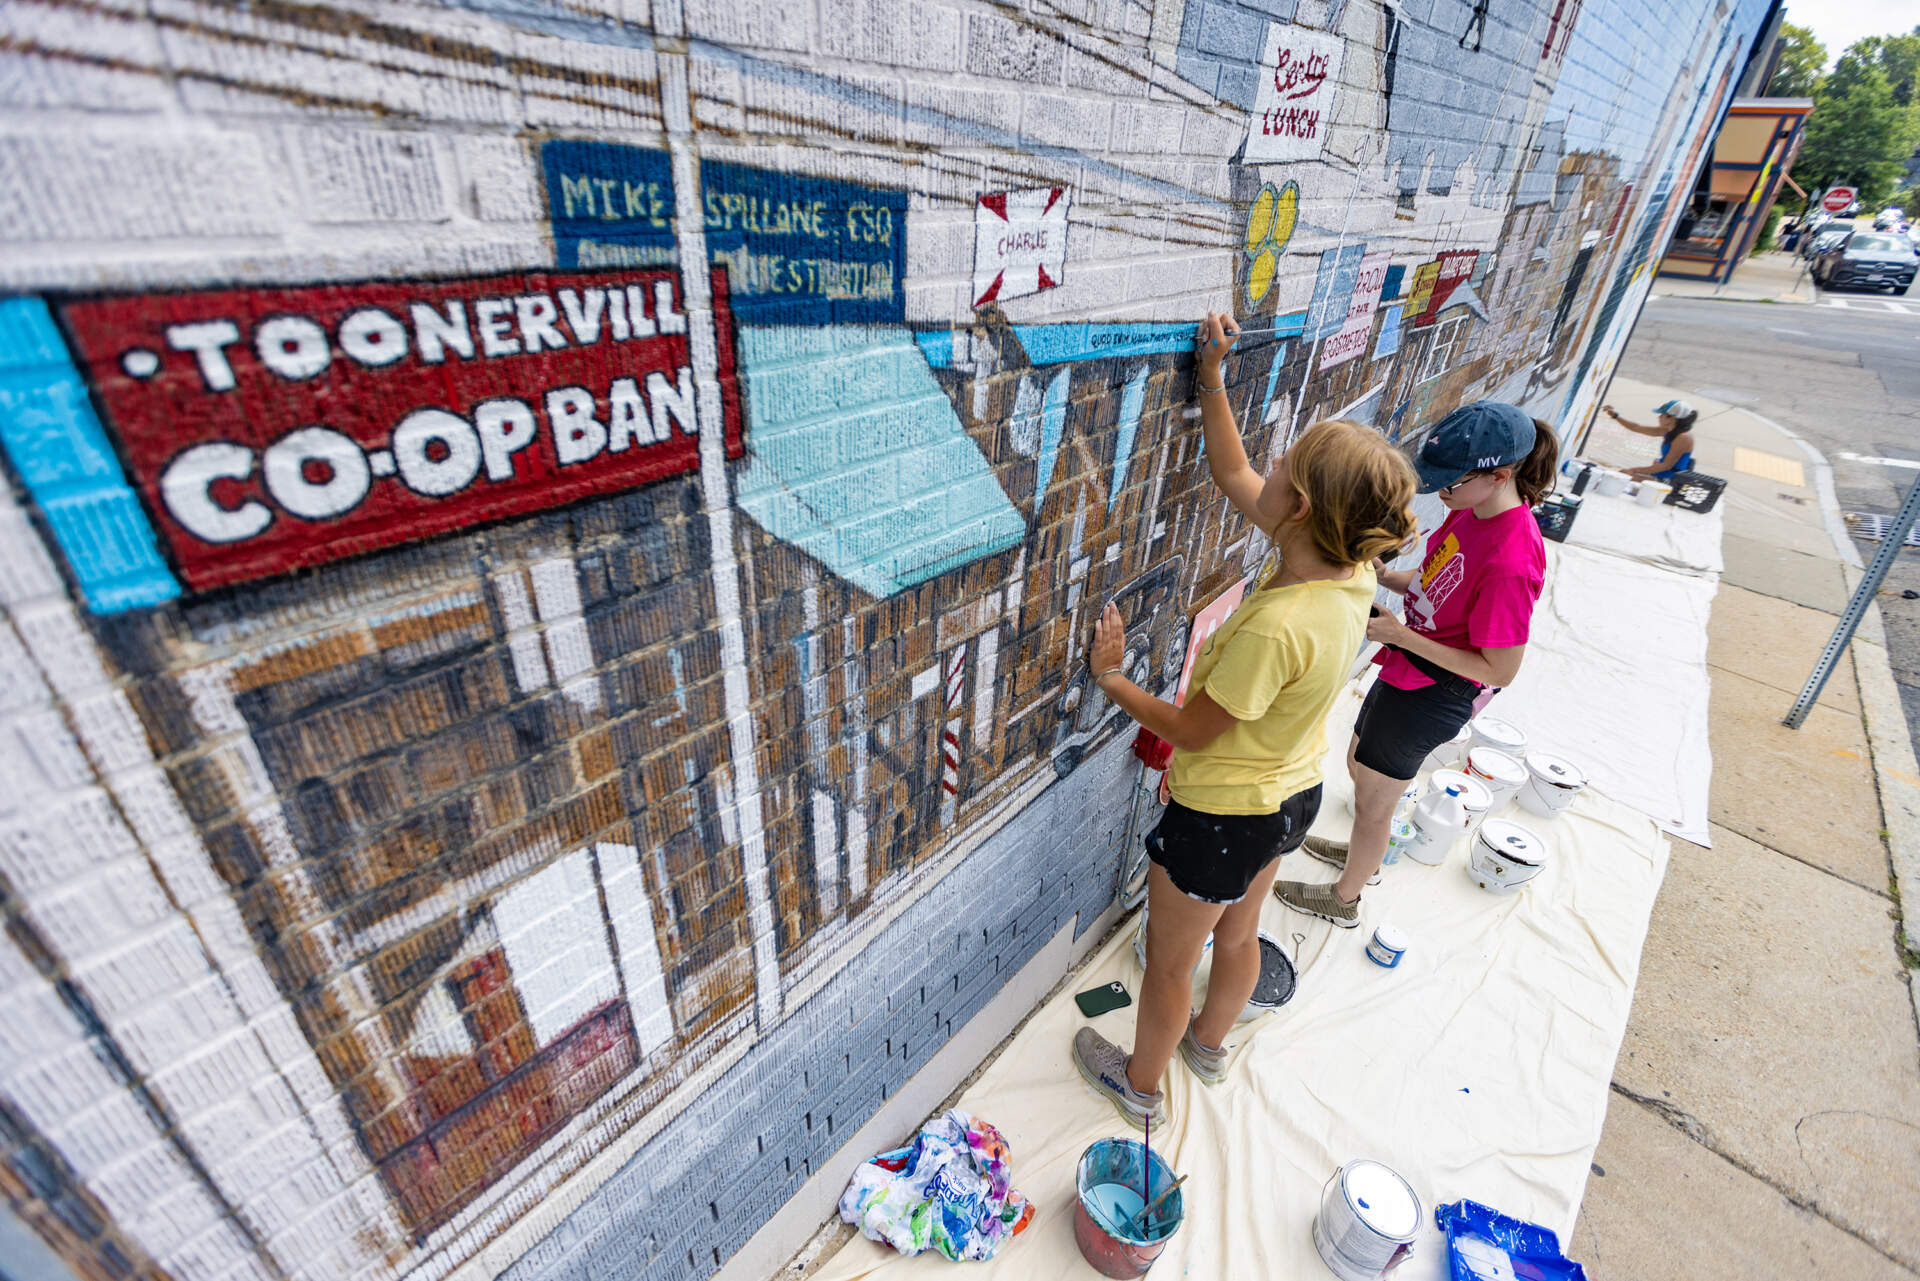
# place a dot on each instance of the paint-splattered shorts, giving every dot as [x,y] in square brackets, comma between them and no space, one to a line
[1214,857]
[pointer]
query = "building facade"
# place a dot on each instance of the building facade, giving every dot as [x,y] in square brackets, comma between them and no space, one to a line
[528,819]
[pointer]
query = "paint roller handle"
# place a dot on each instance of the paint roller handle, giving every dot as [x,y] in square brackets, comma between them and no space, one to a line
[1140,1221]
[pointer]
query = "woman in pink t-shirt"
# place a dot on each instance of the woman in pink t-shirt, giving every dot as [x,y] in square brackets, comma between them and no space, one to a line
[1468,608]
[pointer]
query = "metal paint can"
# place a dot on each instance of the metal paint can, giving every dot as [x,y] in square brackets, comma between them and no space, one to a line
[1552,783]
[1502,736]
[1451,753]
[1500,773]
[1651,493]
[1505,857]
[1275,986]
[1387,946]
[1368,1219]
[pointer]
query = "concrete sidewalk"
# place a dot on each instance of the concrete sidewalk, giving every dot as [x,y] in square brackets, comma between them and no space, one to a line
[1766,1110]
[1764,277]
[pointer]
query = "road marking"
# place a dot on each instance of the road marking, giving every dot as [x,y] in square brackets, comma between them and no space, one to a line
[1903,310]
[1769,466]
[1871,461]
[1837,302]
[1797,333]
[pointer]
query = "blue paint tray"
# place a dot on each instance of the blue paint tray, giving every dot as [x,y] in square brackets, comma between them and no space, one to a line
[1486,1245]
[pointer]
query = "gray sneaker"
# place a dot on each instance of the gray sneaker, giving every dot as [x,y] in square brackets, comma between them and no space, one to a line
[1333,854]
[1209,1065]
[1318,900]
[1104,1064]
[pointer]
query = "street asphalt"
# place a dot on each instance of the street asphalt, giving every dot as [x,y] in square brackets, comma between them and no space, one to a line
[1843,372]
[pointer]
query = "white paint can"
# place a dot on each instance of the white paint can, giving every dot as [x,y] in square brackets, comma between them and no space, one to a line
[1450,754]
[1611,483]
[1473,794]
[1552,783]
[1387,946]
[1502,775]
[1368,1219]
[1502,736]
[1652,493]
[1505,856]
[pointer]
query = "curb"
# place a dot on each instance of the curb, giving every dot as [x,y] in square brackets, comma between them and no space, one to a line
[1895,774]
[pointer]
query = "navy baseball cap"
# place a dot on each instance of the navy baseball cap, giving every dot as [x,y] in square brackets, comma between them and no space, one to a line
[1475,437]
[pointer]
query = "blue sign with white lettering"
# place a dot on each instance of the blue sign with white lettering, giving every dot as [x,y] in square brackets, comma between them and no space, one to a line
[802,250]
[610,205]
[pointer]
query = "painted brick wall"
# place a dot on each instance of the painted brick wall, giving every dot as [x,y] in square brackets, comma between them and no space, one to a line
[546,549]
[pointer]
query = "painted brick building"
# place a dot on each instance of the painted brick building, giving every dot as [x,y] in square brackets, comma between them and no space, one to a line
[546,551]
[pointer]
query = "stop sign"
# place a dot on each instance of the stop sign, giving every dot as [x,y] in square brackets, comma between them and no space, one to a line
[1836,199]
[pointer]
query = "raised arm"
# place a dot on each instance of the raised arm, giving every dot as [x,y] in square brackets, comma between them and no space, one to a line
[1632,426]
[1226,456]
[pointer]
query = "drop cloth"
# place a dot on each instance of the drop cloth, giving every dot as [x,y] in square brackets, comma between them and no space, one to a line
[1478,1068]
[1615,678]
[1686,542]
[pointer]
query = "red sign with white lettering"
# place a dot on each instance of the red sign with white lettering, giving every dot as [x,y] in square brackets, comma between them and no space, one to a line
[271,429]
[1836,199]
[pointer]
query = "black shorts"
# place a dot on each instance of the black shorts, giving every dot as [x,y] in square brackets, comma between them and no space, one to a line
[1398,727]
[1214,857]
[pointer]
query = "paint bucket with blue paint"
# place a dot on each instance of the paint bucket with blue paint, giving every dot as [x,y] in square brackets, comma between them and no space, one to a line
[1108,1185]
[1387,946]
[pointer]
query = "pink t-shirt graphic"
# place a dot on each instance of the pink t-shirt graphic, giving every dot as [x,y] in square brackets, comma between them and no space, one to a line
[1476,588]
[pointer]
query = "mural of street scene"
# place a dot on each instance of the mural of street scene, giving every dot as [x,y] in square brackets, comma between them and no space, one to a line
[471,678]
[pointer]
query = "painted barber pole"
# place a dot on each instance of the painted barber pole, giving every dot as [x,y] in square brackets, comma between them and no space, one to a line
[1019,243]
[950,735]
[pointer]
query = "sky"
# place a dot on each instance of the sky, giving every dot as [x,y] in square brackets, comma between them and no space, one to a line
[1838,23]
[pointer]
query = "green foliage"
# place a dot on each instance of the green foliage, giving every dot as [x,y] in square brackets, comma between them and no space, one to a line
[1802,59]
[1858,134]
[1768,231]
[1898,57]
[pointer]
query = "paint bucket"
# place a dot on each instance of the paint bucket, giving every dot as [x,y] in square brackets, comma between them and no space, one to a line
[1140,940]
[1451,753]
[1652,493]
[1610,483]
[1276,984]
[1474,796]
[1502,736]
[1505,857]
[1387,946]
[1502,775]
[1368,1219]
[1108,1184]
[1552,783]
[1407,797]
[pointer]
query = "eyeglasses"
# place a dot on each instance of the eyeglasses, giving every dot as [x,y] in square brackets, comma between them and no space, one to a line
[1470,476]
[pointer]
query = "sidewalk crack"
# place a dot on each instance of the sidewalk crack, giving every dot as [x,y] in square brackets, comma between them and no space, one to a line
[1689,1125]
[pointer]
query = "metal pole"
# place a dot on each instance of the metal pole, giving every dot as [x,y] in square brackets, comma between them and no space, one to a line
[1862,596]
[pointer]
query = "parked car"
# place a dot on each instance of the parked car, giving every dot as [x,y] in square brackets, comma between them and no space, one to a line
[1868,259]
[1892,218]
[1823,239]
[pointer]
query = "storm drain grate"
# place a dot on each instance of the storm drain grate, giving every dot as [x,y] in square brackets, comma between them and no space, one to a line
[1874,528]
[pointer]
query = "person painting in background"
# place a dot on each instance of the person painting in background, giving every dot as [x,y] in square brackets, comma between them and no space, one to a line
[1676,440]
[1248,742]
[1468,611]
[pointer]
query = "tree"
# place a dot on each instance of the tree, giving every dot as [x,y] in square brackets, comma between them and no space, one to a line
[1857,135]
[1802,59]
[1898,57]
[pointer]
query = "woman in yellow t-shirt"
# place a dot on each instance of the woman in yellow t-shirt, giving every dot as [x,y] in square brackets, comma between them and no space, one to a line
[1249,740]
